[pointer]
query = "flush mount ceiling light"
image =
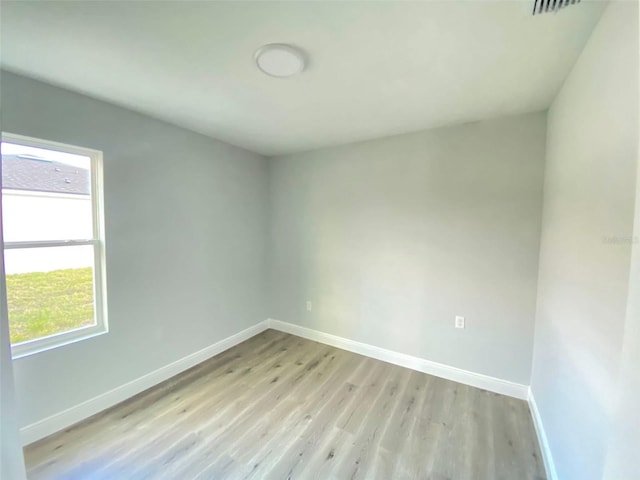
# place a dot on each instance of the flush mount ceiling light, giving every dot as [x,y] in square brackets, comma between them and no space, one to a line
[280,60]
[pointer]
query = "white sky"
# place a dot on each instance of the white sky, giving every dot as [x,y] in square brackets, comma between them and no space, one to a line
[79,161]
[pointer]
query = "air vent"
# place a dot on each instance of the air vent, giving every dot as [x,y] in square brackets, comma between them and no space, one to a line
[545,6]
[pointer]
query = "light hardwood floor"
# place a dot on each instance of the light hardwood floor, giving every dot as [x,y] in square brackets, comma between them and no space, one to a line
[281,407]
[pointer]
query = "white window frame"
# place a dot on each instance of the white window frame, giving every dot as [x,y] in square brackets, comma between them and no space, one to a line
[101,326]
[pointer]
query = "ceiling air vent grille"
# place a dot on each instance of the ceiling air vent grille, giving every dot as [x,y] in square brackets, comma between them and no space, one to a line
[544,6]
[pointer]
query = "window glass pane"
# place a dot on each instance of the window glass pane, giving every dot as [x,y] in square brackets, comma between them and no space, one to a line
[46,194]
[49,290]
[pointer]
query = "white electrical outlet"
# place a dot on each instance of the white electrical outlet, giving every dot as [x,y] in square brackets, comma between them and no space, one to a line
[309,306]
[459,322]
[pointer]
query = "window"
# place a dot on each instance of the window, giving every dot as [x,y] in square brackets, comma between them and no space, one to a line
[53,243]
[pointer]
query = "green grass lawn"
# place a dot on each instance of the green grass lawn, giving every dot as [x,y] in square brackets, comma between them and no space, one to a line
[44,303]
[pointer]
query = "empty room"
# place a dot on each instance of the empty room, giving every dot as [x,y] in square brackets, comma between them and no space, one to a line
[379,240]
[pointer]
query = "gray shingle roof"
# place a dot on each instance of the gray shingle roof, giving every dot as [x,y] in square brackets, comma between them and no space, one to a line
[27,173]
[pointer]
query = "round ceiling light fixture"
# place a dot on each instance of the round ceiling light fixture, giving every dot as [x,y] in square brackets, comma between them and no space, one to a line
[280,60]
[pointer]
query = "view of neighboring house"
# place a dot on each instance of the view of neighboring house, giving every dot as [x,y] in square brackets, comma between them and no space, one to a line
[53,195]
[47,208]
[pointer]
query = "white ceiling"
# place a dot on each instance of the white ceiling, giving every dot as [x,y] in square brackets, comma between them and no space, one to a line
[376,68]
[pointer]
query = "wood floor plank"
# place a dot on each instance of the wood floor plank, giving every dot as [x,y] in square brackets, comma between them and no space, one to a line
[281,407]
[208,414]
[105,429]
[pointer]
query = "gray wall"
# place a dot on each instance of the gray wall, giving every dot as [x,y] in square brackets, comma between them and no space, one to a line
[585,247]
[186,233]
[391,238]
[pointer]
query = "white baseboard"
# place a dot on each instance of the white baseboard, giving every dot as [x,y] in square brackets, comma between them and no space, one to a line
[66,418]
[542,438]
[473,379]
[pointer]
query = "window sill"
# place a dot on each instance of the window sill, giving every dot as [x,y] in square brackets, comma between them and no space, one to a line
[33,347]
